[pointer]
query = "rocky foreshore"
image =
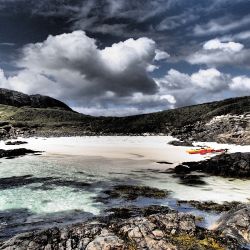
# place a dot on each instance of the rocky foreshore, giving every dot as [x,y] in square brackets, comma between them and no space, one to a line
[151,228]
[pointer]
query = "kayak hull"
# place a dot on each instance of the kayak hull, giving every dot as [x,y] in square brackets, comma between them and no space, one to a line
[205,151]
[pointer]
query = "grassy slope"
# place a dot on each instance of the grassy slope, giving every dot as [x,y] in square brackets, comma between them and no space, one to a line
[157,122]
[44,119]
[55,119]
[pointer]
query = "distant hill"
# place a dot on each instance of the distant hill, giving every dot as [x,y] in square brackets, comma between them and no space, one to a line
[180,117]
[18,99]
[222,121]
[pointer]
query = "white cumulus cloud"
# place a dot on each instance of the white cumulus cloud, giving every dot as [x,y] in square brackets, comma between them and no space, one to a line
[215,44]
[74,64]
[241,84]
[210,79]
[72,68]
[161,55]
[201,86]
[216,53]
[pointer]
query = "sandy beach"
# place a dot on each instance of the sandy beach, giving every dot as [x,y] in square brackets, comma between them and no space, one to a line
[155,148]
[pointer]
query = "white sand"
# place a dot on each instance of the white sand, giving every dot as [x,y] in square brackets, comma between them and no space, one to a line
[130,147]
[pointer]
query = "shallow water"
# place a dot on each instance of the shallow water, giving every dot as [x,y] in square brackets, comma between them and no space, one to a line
[56,189]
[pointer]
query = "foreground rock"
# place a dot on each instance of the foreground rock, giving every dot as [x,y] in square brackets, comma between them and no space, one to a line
[236,224]
[236,165]
[16,152]
[158,230]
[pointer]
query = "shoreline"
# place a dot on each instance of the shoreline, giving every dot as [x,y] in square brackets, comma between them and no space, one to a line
[149,160]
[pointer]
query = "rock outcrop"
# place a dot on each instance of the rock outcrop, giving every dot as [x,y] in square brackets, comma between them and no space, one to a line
[223,129]
[18,99]
[13,131]
[236,165]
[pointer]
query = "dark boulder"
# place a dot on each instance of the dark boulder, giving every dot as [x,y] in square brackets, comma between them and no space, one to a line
[236,224]
[181,143]
[235,165]
[15,152]
[182,169]
[12,143]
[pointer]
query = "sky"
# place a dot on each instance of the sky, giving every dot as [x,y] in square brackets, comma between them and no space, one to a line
[126,57]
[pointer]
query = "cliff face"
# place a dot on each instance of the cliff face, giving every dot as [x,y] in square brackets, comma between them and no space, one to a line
[18,99]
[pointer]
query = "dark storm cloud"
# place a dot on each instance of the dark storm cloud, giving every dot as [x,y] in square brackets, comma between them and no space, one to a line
[173,24]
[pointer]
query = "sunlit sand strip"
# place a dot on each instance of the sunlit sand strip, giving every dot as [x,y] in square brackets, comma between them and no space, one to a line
[154,148]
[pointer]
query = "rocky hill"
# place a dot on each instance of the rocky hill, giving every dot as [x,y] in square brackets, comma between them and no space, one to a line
[222,121]
[18,99]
